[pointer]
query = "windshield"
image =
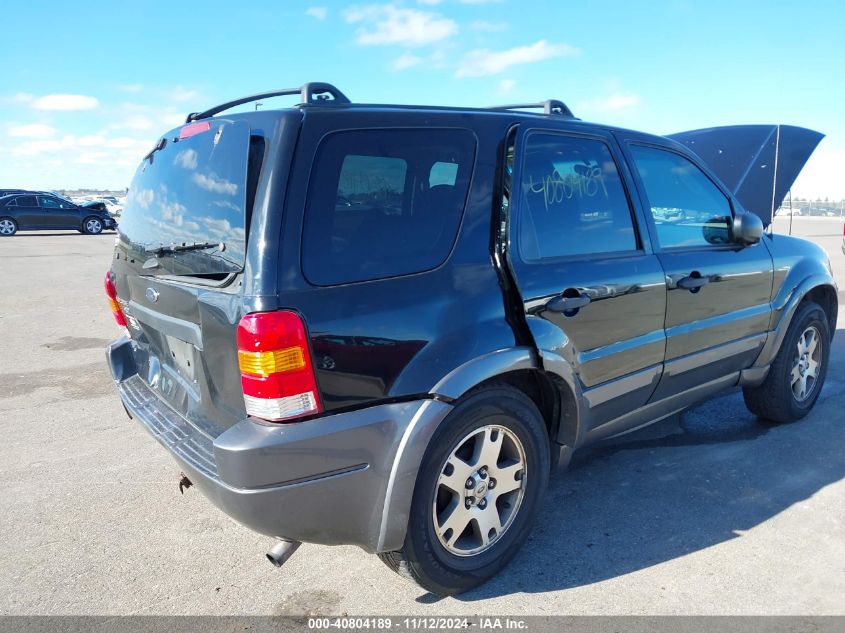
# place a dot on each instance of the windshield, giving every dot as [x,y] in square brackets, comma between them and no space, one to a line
[186,196]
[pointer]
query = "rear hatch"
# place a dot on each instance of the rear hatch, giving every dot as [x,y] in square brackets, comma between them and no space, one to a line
[178,266]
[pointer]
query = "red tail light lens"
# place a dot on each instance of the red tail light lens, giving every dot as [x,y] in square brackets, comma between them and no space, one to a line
[277,373]
[194,128]
[111,293]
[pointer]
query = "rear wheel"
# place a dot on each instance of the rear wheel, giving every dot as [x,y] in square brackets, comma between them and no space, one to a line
[8,226]
[93,226]
[477,492]
[797,374]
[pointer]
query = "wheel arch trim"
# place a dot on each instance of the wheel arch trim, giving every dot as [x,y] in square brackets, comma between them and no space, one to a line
[783,311]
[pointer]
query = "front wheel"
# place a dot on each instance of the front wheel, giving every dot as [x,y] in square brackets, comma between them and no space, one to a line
[92,226]
[797,374]
[477,492]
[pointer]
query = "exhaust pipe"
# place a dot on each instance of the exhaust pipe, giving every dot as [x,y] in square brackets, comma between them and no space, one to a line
[282,551]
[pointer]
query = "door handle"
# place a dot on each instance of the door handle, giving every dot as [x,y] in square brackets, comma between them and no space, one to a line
[568,304]
[693,282]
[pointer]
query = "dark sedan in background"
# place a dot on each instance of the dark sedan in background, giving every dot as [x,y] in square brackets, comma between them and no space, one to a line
[41,211]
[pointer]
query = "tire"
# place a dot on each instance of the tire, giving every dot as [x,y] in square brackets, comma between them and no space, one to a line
[780,398]
[8,227]
[92,225]
[446,563]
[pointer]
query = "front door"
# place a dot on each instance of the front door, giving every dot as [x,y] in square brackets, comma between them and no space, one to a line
[582,266]
[718,291]
[59,214]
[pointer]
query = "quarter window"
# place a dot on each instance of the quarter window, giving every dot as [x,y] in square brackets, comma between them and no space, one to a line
[383,203]
[572,200]
[688,209]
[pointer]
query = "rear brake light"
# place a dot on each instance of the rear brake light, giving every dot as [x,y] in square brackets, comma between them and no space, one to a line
[194,128]
[111,293]
[277,373]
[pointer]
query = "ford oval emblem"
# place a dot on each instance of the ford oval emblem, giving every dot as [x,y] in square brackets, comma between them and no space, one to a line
[152,295]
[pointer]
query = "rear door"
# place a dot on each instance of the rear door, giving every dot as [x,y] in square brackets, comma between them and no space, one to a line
[718,292]
[178,263]
[29,214]
[582,265]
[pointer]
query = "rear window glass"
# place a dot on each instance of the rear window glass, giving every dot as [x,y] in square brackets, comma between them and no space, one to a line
[383,203]
[186,205]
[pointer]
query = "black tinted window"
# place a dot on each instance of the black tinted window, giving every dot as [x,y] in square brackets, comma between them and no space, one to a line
[52,203]
[383,203]
[26,201]
[572,201]
[688,209]
[191,192]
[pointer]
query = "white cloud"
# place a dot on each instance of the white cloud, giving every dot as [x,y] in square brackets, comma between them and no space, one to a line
[388,24]
[144,197]
[318,13]
[506,86]
[65,102]
[187,158]
[613,103]
[483,26]
[180,94]
[481,62]
[32,130]
[134,122]
[216,185]
[24,97]
[405,61]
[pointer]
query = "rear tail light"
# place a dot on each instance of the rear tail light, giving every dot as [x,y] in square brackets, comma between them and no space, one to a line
[277,373]
[111,293]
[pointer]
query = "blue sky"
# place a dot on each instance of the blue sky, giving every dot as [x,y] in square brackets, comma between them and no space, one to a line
[90,85]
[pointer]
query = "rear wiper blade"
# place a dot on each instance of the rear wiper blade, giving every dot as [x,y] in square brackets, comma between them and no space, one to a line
[180,248]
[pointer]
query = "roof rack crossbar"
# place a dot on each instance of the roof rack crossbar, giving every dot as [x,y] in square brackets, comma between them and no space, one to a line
[550,106]
[311,93]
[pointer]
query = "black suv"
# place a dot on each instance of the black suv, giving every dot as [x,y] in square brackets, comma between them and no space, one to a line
[36,211]
[384,325]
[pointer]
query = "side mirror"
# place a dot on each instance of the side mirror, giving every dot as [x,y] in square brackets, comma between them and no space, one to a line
[747,228]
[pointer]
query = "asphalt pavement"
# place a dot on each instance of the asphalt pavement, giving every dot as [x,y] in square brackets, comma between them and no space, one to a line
[710,512]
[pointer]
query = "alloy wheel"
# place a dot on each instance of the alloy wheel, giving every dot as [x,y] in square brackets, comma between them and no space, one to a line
[7,227]
[806,364]
[479,490]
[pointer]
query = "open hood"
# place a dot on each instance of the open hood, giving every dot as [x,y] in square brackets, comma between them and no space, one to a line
[758,163]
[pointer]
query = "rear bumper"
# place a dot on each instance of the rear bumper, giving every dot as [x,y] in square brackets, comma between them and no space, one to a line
[341,479]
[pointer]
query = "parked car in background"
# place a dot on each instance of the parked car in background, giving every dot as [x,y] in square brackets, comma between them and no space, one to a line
[95,205]
[8,192]
[40,211]
[385,325]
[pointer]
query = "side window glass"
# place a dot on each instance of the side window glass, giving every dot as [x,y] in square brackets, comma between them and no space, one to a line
[571,200]
[688,209]
[48,203]
[384,203]
[27,201]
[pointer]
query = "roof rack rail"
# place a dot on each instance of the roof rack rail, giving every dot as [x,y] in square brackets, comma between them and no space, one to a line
[312,93]
[550,106]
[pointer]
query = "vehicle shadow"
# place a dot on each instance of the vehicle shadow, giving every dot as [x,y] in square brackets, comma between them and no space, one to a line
[679,486]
